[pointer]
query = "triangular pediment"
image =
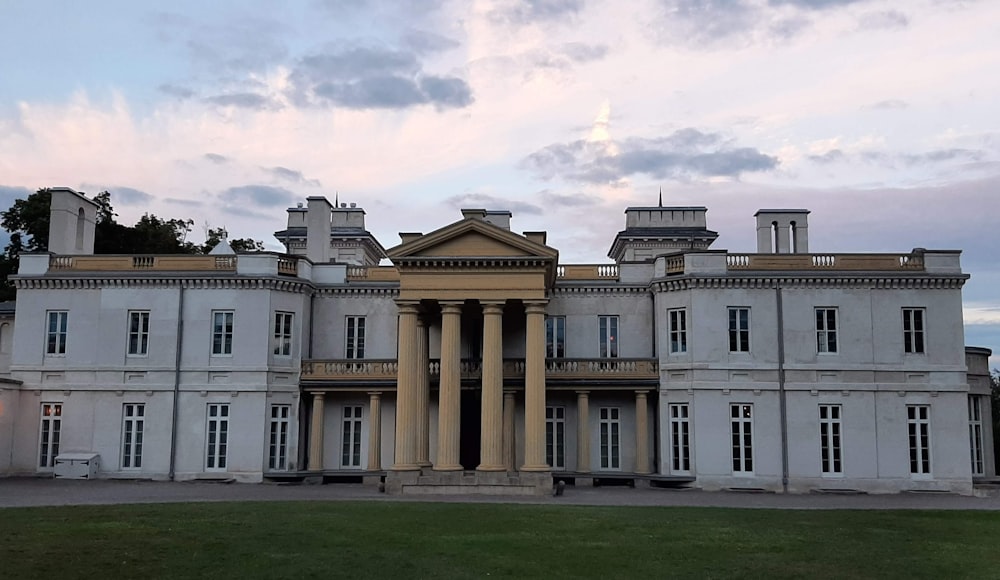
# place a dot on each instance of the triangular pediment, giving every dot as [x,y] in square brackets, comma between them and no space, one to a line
[471,238]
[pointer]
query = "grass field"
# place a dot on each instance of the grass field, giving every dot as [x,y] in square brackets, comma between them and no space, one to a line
[433,540]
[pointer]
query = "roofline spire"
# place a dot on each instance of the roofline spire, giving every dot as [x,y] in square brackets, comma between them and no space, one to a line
[661,196]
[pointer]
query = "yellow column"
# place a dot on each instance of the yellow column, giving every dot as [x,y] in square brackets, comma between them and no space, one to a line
[449,393]
[375,431]
[423,393]
[509,448]
[583,431]
[491,438]
[406,385]
[534,389]
[641,433]
[316,434]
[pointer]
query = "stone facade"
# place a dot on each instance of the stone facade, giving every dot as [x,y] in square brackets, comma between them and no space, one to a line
[479,363]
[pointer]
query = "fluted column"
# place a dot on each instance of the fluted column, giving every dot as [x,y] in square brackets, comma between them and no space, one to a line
[422,408]
[509,448]
[449,393]
[583,431]
[534,389]
[375,431]
[641,433]
[406,385]
[491,438]
[316,434]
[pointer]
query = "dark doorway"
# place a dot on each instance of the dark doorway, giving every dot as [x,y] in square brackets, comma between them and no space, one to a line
[471,426]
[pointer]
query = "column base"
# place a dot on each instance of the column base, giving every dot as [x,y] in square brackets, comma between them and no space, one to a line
[542,467]
[455,467]
[405,467]
[492,468]
[424,464]
[468,483]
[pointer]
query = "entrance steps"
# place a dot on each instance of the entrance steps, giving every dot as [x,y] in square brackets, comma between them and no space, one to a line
[429,482]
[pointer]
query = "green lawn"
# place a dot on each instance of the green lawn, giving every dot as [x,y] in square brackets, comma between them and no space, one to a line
[434,540]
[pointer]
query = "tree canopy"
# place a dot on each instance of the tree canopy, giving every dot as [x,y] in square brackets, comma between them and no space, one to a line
[27,223]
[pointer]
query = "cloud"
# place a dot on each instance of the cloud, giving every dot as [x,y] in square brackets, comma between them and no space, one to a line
[491,202]
[572,200]
[184,202]
[893,159]
[127,195]
[373,78]
[523,12]
[981,313]
[831,156]
[176,91]
[216,158]
[9,193]
[567,55]
[290,175]
[244,101]
[885,20]
[681,155]
[261,195]
[814,4]
[888,105]
[424,42]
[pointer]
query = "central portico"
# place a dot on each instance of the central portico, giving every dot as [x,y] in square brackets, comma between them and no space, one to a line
[473,268]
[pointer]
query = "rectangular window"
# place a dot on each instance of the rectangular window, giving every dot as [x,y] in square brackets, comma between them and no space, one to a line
[677,322]
[826,330]
[742,431]
[283,333]
[609,336]
[918,426]
[217,440]
[611,438]
[49,429]
[739,329]
[355,341]
[351,443]
[138,333]
[913,330]
[830,446]
[277,454]
[555,437]
[56,338]
[133,422]
[555,337]
[680,438]
[222,332]
[976,433]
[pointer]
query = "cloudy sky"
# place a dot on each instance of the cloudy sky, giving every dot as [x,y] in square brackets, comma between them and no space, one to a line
[881,117]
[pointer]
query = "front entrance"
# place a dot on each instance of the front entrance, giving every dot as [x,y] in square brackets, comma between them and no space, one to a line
[471,426]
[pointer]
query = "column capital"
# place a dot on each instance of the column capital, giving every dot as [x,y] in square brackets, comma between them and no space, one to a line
[407,306]
[535,306]
[583,393]
[451,306]
[375,394]
[642,393]
[492,308]
[318,394]
[421,323]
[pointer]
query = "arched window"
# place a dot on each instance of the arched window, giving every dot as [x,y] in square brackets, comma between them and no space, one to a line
[793,241]
[80,221]
[774,237]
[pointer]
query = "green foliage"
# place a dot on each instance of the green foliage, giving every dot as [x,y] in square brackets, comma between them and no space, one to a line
[241,245]
[380,539]
[27,222]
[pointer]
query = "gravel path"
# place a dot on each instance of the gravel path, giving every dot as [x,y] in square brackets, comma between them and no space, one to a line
[24,492]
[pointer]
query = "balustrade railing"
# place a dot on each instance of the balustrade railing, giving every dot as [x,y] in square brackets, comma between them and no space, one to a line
[841,262]
[172,263]
[388,369]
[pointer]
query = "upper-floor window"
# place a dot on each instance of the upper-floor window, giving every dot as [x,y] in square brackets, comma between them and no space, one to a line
[739,329]
[138,332]
[222,332]
[555,337]
[283,333]
[609,336]
[55,343]
[354,343]
[913,330]
[826,330]
[677,323]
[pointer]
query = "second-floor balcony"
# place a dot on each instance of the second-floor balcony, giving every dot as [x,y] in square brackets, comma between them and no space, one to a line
[346,371]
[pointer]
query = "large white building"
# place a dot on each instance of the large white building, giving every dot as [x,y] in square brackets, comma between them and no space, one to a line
[477,362]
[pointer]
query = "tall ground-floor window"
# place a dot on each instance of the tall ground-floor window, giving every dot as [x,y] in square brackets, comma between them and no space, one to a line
[830,445]
[741,423]
[918,425]
[351,443]
[48,436]
[555,437]
[680,438]
[976,433]
[277,454]
[217,437]
[133,423]
[611,438]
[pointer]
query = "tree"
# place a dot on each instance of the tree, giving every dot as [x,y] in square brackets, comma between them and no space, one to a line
[241,245]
